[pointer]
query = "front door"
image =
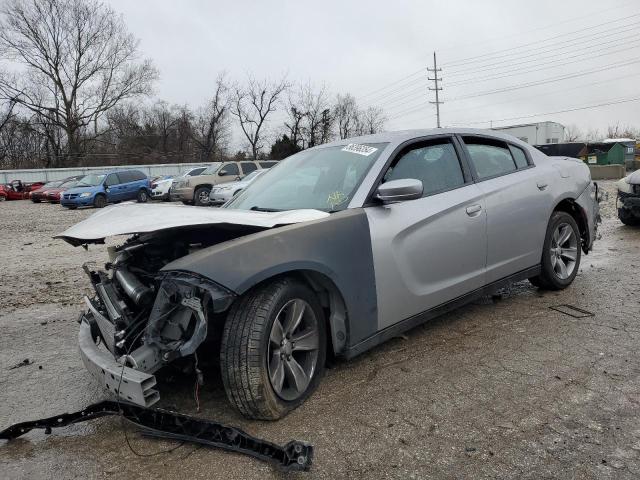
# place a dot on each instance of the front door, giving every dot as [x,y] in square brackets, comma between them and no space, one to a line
[433,249]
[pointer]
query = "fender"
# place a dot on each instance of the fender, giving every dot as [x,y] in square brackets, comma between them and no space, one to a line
[337,246]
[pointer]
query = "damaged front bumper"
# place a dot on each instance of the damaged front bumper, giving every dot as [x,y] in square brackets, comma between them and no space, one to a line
[126,382]
[126,335]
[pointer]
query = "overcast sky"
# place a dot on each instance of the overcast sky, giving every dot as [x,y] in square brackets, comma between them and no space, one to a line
[363,47]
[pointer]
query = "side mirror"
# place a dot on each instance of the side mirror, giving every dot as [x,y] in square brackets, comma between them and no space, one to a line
[399,190]
[223,173]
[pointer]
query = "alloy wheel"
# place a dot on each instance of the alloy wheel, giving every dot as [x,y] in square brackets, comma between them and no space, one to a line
[563,251]
[292,355]
[203,197]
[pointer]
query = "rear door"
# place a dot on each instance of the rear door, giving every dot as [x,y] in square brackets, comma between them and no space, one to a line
[129,184]
[517,203]
[431,250]
[113,187]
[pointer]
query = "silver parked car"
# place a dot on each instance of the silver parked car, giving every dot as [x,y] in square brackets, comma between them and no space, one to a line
[338,249]
[222,193]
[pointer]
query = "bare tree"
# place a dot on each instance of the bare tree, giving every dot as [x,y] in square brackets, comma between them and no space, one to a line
[372,120]
[212,128]
[79,62]
[315,103]
[593,135]
[622,131]
[572,133]
[345,112]
[252,105]
[294,124]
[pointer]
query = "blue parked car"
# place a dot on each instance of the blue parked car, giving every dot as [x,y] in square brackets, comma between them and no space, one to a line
[99,189]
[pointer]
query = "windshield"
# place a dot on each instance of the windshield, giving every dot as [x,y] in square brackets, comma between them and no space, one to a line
[91,180]
[53,184]
[211,169]
[69,184]
[322,179]
[252,175]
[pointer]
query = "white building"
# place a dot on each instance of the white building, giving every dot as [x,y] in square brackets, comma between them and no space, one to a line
[536,133]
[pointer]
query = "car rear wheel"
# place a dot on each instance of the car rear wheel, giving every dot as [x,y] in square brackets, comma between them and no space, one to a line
[628,218]
[142,196]
[273,349]
[201,196]
[100,201]
[561,253]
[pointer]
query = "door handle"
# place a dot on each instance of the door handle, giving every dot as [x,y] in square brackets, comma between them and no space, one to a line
[472,210]
[542,185]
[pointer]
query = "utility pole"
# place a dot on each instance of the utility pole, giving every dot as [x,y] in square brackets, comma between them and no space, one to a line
[436,88]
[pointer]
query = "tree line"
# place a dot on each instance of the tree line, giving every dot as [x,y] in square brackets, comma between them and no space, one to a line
[75,92]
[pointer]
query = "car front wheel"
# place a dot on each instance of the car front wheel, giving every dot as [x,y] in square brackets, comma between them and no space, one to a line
[100,201]
[201,196]
[561,253]
[142,196]
[273,349]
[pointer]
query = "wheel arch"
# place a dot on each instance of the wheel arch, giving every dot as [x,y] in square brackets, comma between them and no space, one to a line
[329,295]
[571,207]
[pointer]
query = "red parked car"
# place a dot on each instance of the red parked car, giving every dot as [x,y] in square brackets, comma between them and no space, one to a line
[40,194]
[53,194]
[17,190]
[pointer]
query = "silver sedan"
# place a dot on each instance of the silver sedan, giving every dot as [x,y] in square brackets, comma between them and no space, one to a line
[339,248]
[224,192]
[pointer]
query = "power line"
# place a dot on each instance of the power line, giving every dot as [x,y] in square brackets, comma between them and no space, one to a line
[572,109]
[384,97]
[519,47]
[521,86]
[541,66]
[393,83]
[571,20]
[595,38]
[549,80]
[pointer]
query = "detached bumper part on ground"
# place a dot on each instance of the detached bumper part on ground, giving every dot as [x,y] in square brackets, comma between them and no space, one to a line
[294,456]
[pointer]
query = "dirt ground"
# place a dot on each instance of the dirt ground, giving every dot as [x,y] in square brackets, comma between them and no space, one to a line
[503,388]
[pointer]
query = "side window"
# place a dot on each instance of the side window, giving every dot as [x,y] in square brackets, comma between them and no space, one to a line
[196,171]
[267,164]
[436,165]
[231,169]
[490,158]
[112,179]
[519,156]
[248,167]
[126,176]
[138,175]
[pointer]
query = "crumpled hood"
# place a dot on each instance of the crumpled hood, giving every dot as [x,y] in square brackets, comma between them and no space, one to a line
[130,218]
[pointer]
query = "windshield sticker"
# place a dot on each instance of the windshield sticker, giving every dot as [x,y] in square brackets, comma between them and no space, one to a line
[360,149]
[335,199]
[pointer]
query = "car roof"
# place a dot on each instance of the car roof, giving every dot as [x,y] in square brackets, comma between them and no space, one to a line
[400,136]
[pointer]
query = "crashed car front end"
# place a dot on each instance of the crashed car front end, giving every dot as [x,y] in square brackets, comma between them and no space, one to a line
[628,200]
[144,314]
[144,321]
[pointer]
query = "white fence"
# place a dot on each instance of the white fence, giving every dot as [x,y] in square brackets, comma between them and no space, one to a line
[49,174]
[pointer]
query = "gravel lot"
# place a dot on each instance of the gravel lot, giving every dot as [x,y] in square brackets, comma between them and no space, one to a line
[503,388]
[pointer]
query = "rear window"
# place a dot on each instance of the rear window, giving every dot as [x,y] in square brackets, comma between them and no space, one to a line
[490,158]
[519,156]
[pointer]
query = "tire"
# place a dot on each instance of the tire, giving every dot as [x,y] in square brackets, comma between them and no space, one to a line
[142,196]
[201,196]
[35,200]
[185,202]
[100,201]
[560,263]
[250,359]
[627,218]
[71,208]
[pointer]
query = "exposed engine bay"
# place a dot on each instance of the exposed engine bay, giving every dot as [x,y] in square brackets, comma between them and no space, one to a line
[147,317]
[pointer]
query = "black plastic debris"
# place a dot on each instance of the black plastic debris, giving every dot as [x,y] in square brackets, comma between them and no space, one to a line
[155,422]
[23,363]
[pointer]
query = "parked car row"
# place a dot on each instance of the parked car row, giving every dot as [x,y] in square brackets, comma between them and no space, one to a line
[204,185]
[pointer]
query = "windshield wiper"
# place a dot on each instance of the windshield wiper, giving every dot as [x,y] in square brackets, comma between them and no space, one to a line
[262,209]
